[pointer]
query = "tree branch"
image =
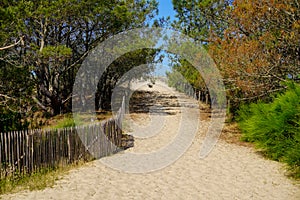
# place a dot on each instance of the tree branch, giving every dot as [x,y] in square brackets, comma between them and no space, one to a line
[12,45]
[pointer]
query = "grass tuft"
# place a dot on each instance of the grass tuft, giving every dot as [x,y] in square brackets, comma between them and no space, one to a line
[37,181]
[275,127]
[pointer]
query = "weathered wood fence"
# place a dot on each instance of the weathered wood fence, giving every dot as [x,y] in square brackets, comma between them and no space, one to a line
[27,152]
[201,95]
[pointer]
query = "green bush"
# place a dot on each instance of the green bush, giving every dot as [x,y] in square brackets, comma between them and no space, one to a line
[274,127]
[65,123]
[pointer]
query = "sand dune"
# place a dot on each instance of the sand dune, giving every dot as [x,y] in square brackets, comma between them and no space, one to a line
[228,172]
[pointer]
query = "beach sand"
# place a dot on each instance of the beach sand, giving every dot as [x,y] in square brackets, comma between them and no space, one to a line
[228,172]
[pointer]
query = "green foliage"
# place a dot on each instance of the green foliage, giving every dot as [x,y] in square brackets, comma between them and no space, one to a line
[15,95]
[275,127]
[67,120]
[10,121]
[46,42]
[36,181]
[65,123]
[176,80]
[198,18]
[184,72]
[56,51]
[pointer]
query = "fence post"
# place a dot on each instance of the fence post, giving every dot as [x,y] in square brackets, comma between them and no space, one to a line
[17,134]
[69,147]
[1,138]
[31,150]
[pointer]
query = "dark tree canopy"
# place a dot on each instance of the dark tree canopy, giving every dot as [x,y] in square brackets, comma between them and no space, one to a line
[43,43]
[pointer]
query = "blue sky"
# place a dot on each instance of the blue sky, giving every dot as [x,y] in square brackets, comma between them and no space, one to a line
[165,8]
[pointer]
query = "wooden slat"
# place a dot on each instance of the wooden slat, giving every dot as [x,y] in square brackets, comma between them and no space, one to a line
[29,151]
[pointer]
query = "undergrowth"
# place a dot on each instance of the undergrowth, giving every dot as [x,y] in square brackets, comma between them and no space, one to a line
[275,127]
[36,181]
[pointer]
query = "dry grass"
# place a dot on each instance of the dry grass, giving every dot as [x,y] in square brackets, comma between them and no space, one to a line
[38,181]
[48,177]
[232,134]
[66,120]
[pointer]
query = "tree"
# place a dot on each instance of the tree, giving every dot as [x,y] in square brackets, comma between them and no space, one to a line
[44,43]
[58,34]
[16,85]
[260,48]
[200,18]
[183,72]
[254,43]
[116,71]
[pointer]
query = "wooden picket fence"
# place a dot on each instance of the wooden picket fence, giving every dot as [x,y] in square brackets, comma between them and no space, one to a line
[26,152]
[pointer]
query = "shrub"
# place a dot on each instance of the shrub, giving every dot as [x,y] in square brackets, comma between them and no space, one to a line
[275,127]
[65,123]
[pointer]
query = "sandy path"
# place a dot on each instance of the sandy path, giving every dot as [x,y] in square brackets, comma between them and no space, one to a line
[229,172]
